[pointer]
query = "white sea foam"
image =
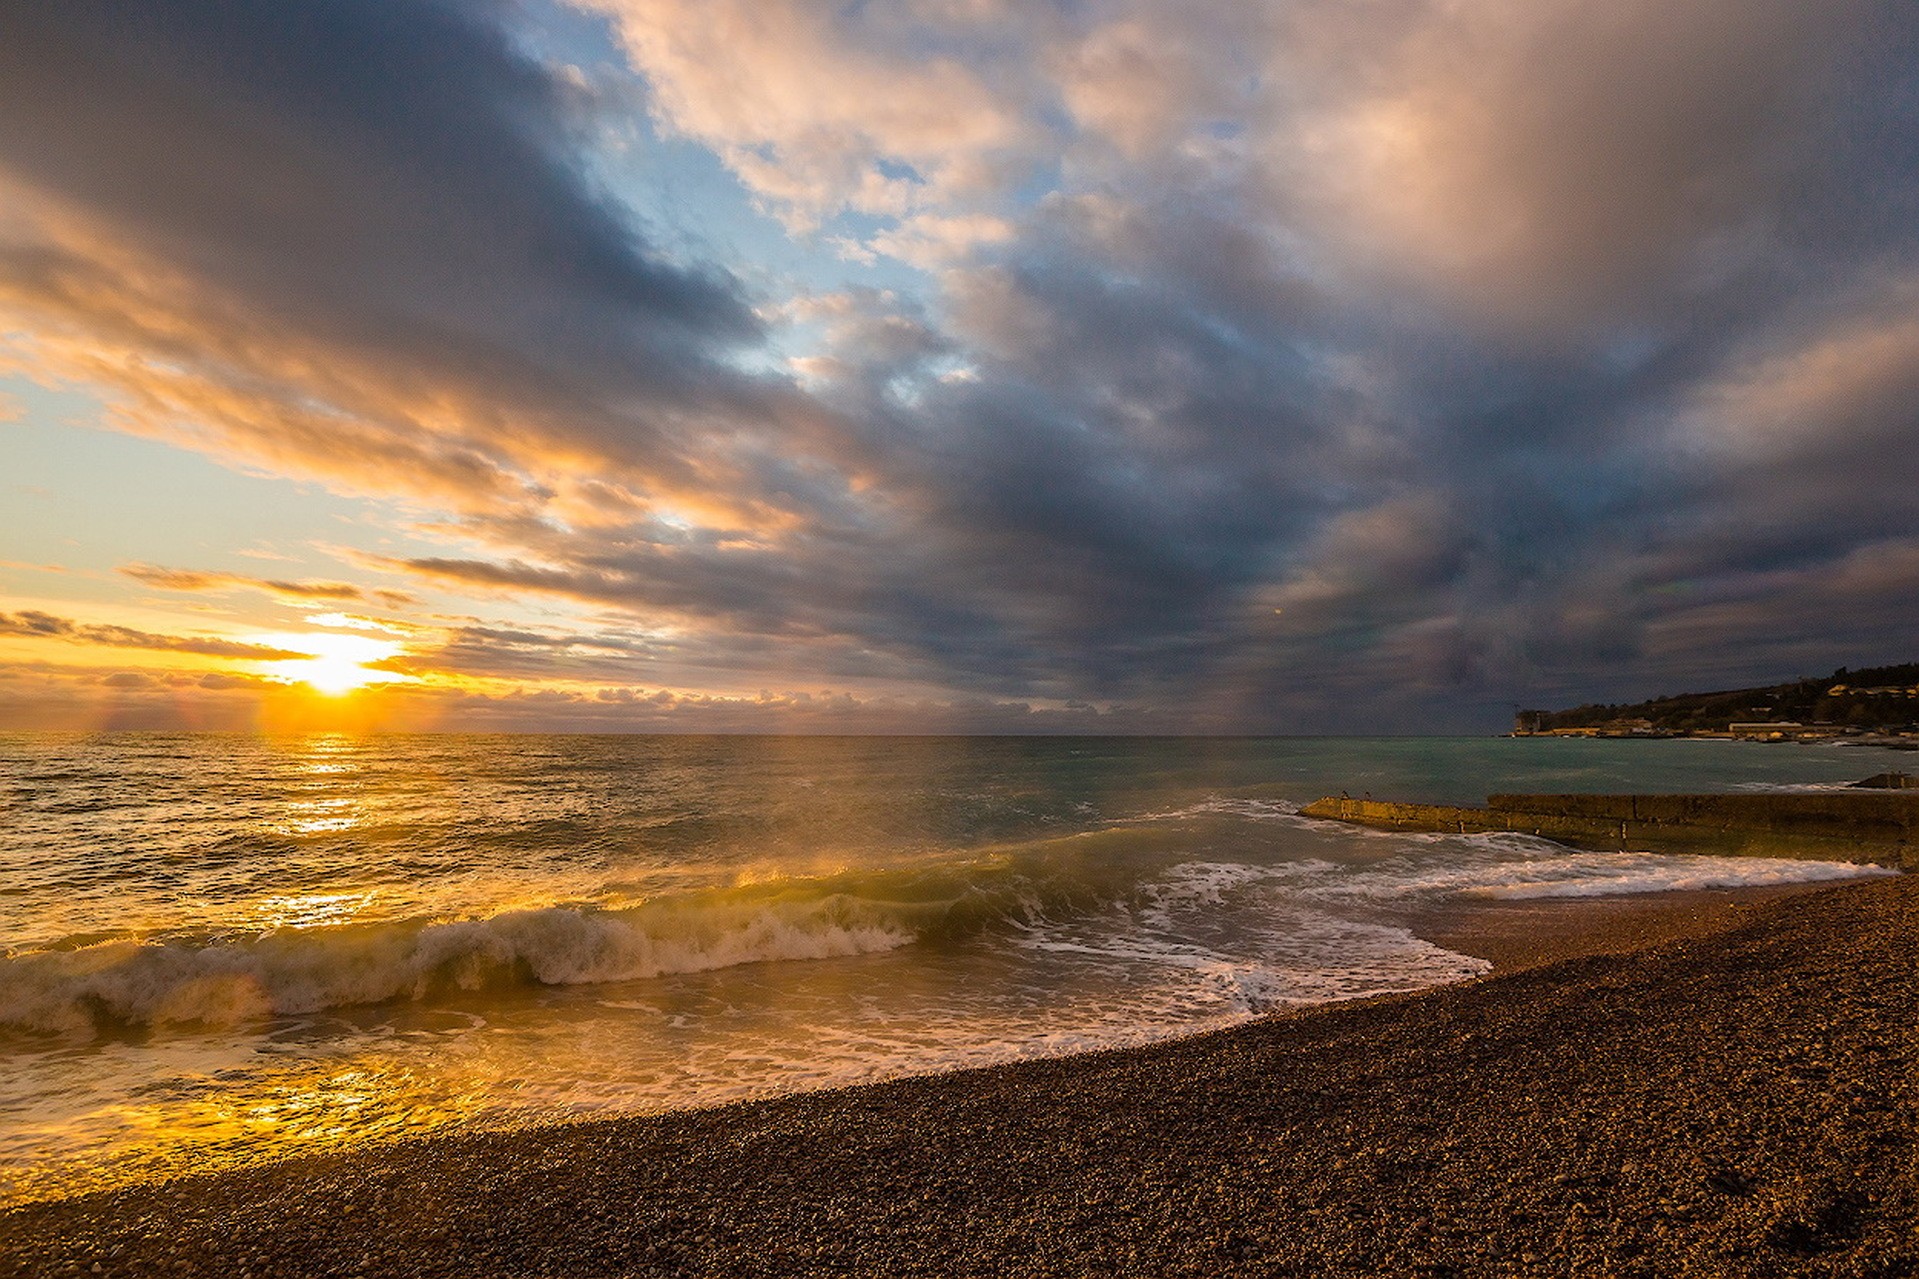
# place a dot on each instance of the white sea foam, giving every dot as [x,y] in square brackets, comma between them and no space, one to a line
[1206,883]
[1242,945]
[1794,788]
[1518,867]
[1266,810]
[1298,957]
[1651,873]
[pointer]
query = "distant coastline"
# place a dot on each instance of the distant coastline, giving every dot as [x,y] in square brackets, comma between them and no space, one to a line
[1876,706]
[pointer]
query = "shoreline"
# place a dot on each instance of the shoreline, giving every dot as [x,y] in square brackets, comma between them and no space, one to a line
[1526,933]
[1738,1097]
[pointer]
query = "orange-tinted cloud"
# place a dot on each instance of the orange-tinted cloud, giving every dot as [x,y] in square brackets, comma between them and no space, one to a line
[180,579]
[32,624]
[814,114]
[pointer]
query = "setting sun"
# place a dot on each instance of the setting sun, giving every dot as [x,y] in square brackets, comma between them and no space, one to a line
[338,664]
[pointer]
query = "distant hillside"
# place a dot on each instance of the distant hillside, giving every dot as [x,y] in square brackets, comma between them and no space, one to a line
[1881,698]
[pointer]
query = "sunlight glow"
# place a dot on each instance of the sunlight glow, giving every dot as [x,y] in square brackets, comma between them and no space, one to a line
[353,622]
[339,662]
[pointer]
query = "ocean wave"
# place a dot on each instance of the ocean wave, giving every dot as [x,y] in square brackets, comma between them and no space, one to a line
[236,976]
[1265,810]
[225,982]
[1275,952]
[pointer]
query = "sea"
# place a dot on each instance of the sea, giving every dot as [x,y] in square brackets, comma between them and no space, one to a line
[217,950]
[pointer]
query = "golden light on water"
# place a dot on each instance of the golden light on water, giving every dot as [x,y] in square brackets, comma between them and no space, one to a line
[310,910]
[298,1107]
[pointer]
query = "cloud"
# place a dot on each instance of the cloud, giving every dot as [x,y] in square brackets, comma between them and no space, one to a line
[1552,163]
[180,579]
[398,279]
[90,699]
[32,624]
[1501,347]
[933,240]
[1833,394]
[1141,82]
[818,111]
[491,652]
[343,159]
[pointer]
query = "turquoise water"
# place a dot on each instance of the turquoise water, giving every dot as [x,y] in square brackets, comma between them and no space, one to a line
[222,949]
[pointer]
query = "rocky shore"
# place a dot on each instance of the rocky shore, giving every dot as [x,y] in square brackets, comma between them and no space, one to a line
[1739,1102]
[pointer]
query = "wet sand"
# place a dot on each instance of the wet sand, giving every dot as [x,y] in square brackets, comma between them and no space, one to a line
[1739,1097]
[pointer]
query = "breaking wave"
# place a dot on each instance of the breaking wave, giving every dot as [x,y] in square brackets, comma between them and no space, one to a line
[1135,892]
[229,978]
[149,983]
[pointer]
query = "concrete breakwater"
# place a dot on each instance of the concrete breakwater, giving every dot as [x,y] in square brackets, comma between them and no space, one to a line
[1880,827]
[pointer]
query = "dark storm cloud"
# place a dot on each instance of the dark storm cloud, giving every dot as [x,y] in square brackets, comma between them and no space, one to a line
[358,237]
[396,170]
[1121,486]
[505,653]
[1188,465]
[1368,366]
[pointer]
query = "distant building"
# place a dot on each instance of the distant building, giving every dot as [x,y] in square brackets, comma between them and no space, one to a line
[1765,728]
[1526,723]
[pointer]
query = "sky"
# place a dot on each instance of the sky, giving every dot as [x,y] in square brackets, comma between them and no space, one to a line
[1305,366]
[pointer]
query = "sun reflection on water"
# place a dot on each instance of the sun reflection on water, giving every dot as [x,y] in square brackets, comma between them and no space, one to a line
[319,817]
[311,910]
[293,1109]
[327,768]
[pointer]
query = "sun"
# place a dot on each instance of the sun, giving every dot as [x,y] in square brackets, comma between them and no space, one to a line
[335,676]
[338,664]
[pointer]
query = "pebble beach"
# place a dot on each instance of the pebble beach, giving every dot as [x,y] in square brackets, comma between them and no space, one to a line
[1734,1095]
